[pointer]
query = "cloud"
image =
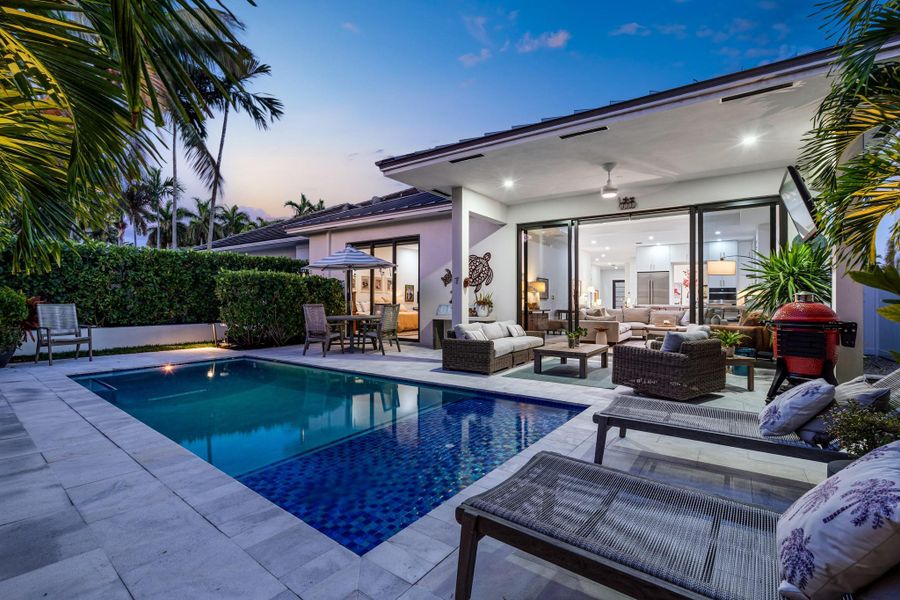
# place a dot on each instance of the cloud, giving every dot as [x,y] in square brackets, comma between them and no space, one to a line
[467,83]
[548,39]
[630,29]
[477,28]
[350,26]
[738,28]
[781,29]
[674,29]
[470,60]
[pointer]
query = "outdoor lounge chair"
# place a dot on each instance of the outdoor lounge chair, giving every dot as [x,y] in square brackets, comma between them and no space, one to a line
[319,330]
[696,370]
[385,329]
[723,426]
[641,537]
[58,326]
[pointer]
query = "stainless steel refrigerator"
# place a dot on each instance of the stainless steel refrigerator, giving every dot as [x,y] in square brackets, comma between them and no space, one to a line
[653,287]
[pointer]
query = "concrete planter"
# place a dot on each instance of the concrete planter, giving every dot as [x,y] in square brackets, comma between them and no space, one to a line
[148,335]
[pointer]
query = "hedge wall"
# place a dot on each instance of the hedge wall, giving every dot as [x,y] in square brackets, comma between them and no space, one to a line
[266,308]
[124,285]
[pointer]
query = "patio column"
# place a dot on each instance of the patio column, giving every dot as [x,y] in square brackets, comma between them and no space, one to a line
[848,303]
[459,260]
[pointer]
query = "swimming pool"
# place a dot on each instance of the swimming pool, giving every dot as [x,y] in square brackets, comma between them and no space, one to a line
[357,457]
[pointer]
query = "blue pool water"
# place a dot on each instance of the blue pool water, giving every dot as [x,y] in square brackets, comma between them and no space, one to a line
[357,457]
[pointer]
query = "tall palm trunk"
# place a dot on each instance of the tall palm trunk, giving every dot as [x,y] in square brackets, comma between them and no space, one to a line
[174,185]
[215,188]
[134,232]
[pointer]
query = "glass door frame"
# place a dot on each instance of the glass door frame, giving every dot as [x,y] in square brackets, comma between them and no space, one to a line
[522,230]
[392,243]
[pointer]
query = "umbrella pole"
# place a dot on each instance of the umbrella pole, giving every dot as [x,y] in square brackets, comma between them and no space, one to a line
[348,292]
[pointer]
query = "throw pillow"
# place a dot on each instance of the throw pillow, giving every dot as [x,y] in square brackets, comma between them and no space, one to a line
[694,328]
[675,339]
[863,393]
[615,314]
[636,315]
[460,330]
[659,317]
[516,330]
[795,407]
[843,534]
[494,331]
[476,334]
[686,318]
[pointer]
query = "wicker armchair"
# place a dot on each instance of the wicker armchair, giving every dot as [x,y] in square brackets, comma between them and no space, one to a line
[319,330]
[697,370]
[385,329]
[58,325]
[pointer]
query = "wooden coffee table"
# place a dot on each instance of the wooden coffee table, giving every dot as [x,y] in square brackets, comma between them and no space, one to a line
[581,353]
[743,361]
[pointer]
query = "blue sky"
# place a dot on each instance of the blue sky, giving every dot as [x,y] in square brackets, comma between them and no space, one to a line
[364,80]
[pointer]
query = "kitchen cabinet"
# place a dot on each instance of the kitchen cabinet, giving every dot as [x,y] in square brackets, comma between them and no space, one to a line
[679,253]
[652,258]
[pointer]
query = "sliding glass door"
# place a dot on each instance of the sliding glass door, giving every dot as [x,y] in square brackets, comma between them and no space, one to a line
[399,285]
[545,276]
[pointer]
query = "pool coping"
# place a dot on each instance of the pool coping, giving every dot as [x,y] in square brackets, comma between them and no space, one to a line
[277,540]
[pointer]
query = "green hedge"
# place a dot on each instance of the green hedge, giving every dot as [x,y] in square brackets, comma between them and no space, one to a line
[124,285]
[266,308]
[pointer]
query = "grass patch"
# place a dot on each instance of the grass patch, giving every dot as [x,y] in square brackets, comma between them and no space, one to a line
[110,351]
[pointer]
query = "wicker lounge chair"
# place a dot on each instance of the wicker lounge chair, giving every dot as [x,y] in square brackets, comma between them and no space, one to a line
[723,426]
[698,369]
[58,325]
[319,330]
[643,538]
[386,329]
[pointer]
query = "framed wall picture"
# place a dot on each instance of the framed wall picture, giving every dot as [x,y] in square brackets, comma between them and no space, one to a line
[389,283]
[364,283]
[545,295]
[379,284]
[409,293]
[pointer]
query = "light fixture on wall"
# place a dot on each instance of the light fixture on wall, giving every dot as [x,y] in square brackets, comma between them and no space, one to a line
[609,190]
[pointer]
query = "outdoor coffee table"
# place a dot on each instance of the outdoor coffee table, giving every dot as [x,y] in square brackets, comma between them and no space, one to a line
[743,361]
[581,353]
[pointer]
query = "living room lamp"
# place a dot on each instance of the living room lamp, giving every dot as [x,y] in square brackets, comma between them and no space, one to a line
[535,289]
[721,267]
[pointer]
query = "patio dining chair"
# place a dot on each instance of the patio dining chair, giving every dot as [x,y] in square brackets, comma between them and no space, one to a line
[386,328]
[58,325]
[319,330]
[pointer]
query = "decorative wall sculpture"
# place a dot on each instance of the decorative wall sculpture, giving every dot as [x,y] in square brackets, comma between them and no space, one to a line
[480,272]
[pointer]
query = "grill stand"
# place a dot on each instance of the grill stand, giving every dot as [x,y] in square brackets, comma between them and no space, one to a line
[782,373]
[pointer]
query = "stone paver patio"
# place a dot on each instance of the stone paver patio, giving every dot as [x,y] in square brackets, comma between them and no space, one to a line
[94,504]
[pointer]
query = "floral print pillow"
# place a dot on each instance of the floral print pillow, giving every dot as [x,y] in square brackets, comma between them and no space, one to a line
[791,409]
[844,533]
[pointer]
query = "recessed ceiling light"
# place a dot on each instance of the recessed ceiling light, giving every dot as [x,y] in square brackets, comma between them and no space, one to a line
[602,256]
[718,239]
[610,264]
[649,237]
[718,233]
[593,241]
[749,140]
[508,183]
[607,248]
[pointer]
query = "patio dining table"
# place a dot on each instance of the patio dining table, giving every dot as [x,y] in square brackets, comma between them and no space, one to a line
[349,321]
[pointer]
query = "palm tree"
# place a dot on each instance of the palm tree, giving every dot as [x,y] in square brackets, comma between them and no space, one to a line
[136,206]
[80,84]
[305,207]
[158,191]
[161,232]
[857,194]
[197,220]
[233,220]
[261,222]
[262,108]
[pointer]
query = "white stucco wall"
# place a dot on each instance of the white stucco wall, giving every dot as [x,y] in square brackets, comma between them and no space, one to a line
[130,337]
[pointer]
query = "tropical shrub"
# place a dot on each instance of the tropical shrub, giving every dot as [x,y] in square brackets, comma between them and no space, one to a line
[127,286]
[266,308]
[861,429]
[797,268]
[12,313]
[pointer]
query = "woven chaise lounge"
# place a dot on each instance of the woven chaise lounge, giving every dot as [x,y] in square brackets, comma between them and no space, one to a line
[641,537]
[723,426]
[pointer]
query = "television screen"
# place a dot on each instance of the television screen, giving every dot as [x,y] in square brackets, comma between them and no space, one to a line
[798,202]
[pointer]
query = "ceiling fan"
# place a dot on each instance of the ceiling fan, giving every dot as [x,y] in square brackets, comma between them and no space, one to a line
[609,190]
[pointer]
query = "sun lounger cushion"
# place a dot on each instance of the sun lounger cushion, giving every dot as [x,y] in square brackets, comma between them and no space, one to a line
[797,406]
[864,393]
[844,533]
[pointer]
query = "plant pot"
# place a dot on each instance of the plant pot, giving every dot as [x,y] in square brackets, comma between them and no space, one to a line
[729,351]
[482,310]
[573,342]
[5,355]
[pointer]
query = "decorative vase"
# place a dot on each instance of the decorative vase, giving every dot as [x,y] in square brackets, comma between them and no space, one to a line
[482,310]
[573,342]
[729,351]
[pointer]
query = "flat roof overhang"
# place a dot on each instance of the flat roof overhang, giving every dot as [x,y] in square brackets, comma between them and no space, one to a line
[691,132]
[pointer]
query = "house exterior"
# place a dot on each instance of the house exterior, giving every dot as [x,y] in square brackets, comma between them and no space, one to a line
[681,188]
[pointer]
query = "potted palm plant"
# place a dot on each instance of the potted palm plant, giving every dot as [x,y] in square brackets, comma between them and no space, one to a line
[12,313]
[484,304]
[729,339]
[778,276]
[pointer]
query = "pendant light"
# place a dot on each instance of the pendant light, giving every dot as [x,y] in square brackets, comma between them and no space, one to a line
[609,190]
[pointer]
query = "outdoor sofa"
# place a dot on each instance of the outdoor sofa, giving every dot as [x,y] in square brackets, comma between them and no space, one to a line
[723,426]
[499,351]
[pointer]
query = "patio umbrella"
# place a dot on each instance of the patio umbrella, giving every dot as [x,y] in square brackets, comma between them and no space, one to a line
[350,259]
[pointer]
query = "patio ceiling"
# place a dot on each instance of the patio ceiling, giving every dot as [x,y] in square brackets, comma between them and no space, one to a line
[692,141]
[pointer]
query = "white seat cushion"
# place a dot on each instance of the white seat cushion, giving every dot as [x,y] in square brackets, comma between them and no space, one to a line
[504,346]
[527,341]
[494,331]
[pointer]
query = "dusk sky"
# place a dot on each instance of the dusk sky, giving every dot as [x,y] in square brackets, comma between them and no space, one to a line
[361,81]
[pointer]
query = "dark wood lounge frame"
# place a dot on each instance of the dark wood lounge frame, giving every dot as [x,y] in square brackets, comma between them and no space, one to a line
[722,426]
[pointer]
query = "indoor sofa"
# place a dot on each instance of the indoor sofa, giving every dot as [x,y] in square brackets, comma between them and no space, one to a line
[621,324]
[505,344]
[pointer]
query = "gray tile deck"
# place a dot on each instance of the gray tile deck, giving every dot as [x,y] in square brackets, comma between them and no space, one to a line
[94,504]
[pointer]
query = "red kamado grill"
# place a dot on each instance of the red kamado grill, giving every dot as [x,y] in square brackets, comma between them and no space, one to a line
[805,338]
